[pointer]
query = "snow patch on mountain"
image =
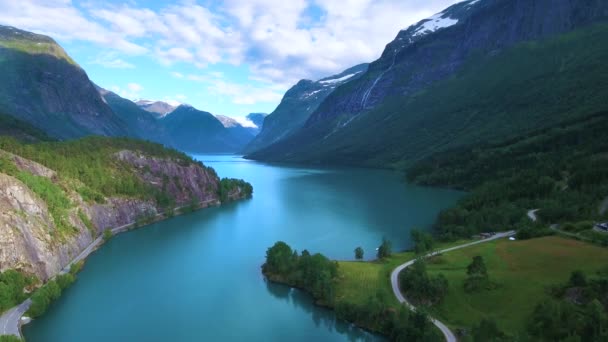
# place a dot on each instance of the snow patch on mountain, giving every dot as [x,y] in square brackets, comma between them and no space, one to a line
[434,23]
[338,80]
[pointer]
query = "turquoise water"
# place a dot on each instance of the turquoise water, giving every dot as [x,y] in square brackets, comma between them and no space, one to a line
[197,277]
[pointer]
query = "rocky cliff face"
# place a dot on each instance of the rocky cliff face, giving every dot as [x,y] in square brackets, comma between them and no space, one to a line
[184,183]
[29,240]
[297,105]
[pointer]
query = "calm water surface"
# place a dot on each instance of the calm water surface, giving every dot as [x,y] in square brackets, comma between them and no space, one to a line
[197,277]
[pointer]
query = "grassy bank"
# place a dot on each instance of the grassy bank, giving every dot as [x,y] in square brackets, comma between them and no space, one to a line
[523,272]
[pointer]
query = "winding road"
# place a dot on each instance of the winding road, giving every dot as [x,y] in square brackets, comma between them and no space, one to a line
[9,322]
[532,214]
[447,333]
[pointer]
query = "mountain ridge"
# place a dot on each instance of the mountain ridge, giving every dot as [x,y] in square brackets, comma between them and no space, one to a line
[340,131]
[296,106]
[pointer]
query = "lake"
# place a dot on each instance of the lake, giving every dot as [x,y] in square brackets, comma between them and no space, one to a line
[197,277]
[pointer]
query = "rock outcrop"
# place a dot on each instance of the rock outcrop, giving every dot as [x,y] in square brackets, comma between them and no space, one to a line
[29,240]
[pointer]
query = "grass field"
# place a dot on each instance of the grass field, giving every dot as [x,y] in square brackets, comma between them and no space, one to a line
[359,280]
[522,270]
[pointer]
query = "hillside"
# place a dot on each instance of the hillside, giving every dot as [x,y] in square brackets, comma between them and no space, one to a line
[21,130]
[433,91]
[42,85]
[197,131]
[142,123]
[298,103]
[560,170]
[60,196]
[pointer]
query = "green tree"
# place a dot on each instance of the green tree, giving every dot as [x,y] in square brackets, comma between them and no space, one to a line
[477,275]
[578,278]
[359,253]
[421,288]
[423,242]
[107,234]
[384,251]
[279,258]
[487,331]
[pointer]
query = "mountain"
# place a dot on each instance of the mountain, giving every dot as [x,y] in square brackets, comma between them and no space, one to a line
[142,123]
[482,70]
[43,86]
[297,105]
[240,135]
[193,130]
[158,108]
[21,130]
[186,128]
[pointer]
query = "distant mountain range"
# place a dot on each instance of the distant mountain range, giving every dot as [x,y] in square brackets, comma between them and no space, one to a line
[480,71]
[44,87]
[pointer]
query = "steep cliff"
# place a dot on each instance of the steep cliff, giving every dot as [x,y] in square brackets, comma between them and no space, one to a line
[42,85]
[49,216]
[298,103]
[480,70]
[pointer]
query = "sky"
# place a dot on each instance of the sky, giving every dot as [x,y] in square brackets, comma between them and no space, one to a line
[230,57]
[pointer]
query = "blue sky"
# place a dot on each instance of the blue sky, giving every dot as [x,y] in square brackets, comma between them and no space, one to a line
[227,57]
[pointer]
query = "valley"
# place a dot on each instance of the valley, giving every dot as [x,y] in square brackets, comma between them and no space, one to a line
[419,176]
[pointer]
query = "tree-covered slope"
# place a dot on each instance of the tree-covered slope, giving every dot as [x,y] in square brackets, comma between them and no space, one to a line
[561,170]
[506,67]
[56,198]
[21,130]
[42,85]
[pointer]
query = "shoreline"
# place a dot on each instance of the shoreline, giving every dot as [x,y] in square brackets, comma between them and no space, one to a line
[100,241]
[393,279]
[275,280]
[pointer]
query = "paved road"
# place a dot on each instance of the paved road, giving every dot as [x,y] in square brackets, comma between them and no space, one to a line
[449,335]
[9,321]
[532,214]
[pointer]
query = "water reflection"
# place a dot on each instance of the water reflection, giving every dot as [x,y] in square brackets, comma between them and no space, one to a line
[321,317]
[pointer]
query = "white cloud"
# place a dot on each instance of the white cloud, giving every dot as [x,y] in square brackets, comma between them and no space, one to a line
[110,60]
[135,87]
[131,91]
[244,94]
[277,40]
[244,122]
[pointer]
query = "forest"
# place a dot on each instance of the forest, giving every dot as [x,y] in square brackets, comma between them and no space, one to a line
[561,170]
